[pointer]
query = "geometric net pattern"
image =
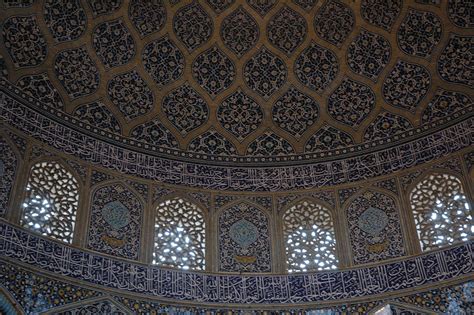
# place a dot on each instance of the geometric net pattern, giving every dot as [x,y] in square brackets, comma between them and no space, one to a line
[51,201]
[310,242]
[442,211]
[179,235]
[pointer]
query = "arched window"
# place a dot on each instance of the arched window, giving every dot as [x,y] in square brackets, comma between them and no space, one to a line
[52,198]
[179,235]
[442,211]
[310,243]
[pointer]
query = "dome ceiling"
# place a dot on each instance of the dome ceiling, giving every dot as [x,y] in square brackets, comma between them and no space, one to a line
[244,80]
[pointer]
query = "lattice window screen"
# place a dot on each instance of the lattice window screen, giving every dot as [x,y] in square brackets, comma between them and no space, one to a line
[179,235]
[51,201]
[310,242]
[442,211]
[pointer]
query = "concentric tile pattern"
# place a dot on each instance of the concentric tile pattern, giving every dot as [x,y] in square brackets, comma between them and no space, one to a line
[243,77]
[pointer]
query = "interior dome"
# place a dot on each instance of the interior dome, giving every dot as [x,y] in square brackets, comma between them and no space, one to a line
[225,81]
[235,142]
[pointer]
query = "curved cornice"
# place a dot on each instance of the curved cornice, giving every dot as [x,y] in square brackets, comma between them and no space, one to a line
[62,135]
[26,248]
[73,123]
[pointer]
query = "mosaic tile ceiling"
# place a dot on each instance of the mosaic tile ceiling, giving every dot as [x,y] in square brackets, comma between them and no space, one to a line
[243,78]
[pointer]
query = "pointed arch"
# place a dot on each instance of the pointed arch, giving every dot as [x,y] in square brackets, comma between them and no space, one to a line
[310,241]
[115,219]
[47,156]
[244,237]
[180,234]
[51,199]
[441,209]
[374,227]
[187,196]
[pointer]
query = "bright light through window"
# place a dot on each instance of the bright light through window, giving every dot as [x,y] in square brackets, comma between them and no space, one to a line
[442,212]
[51,201]
[309,238]
[179,235]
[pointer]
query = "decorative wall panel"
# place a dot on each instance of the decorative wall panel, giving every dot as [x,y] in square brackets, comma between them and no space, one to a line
[351,102]
[419,33]
[101,7]
[101,306]
[374,228]
[452,299]
[220,5]
[295,112]
[8,169]
[239,31]
[445,104]
[270,45]
[385,125]
[40,88]
[141,188]
[3,68]
[192,25]
[270,143]
[265,73]
[286,30]
[153,132]
[458,13]
[244,239]
[19,141]
[454,60]
[214,71]
[381,13]
[368,54]
[24,41]
[97,177]
[147,16]
[406,85]
[212,142]
[316,67]
[328,137]
[197,99]
[222,200]
[163,61]
[262,7]
[130,94]
[181,37]
[18,3]
[77,72]
[239,114]
[97,114]
[306,4]
[185,108]
[113,43]
[334,22]
[115,221]
[65,20]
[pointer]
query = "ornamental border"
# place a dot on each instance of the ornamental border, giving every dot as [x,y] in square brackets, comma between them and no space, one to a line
[28,248]
[226,178]
[245,161]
